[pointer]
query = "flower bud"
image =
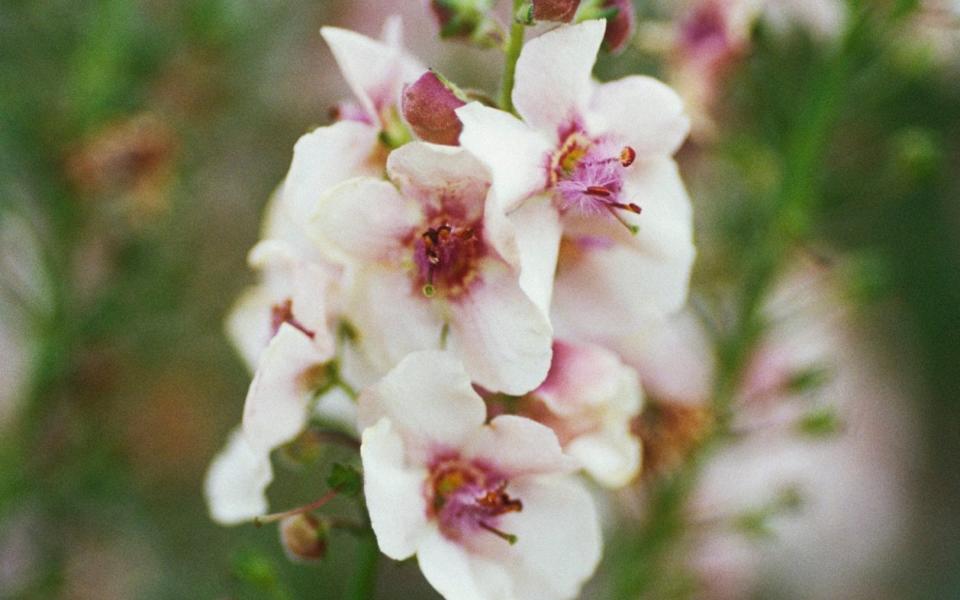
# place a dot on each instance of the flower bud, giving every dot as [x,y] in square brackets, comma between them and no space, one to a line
[303,537]
[555,10]
[620,26]
[429,106]
[466,19]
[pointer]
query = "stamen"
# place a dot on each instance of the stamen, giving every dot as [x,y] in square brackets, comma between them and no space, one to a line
[627,156]
[598,190]
[507,537]
[633,229]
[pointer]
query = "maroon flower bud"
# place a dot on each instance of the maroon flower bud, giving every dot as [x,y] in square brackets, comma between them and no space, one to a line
[429,106]
[303,537]
[621,26]
[555,10]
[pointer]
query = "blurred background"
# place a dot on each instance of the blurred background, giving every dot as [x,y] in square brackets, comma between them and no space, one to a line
[140,140]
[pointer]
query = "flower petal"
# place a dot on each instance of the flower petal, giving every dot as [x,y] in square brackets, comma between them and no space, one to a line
[518,446]
[518,157]
[457,573]
[321,159]
[644,113]
[537,227]
[248,325]
[500,333]
[363,219]
[611,456]
[391,318]
[429,400]
[374,70]
[393,491]
[609,289]
[558,538]
[236,483]
[276,408]
[433,174]
[553,82]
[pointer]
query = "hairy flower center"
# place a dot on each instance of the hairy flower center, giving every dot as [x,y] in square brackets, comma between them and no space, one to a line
[588,177]
[466,497]
[283,313]
[446,257]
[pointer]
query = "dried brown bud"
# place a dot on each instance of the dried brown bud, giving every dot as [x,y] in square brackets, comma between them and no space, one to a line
[429,106]
[303,537]
[555,10]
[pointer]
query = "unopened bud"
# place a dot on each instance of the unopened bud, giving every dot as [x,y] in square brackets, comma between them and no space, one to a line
[555,10]
[304,537]
[429,106]
[620,26]
[466,19]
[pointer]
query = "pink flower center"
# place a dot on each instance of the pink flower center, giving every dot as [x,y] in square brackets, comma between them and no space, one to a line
[466,497]
[283,313]
[446,257]
[588,177]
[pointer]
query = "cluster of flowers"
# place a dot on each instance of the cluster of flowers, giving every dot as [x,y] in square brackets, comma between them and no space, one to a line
[468,284]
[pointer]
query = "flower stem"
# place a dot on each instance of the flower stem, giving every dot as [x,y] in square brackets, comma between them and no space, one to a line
[258,521]
[512,51]
[368,558]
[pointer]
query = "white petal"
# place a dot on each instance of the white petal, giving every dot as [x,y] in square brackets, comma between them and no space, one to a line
[612,457]
[553,75]
[585,377]
[558,538]
[518,157]
[337,408]
[458,574]
[429,400]
[363,219]
[248,324]
[518,446]
[394,492]
[537,231]
[276,408]
[611,289]
[643,113]
[374,70]
[236,483]
[321,159]
[427,171]
[502,336]
[392,319]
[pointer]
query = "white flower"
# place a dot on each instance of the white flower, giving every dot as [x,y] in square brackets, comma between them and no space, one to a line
[428,251]
[589,400]
[236,483]
[602,154]
[487,508]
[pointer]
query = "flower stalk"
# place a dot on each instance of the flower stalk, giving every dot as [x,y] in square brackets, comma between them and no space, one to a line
[512,51]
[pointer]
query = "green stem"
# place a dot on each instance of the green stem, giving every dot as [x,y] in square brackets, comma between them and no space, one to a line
[368,558]
[514,45]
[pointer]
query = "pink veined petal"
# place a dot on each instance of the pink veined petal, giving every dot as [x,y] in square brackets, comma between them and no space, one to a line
[518,156]
[428,399]
[430,172]
[643,113]
[321,159]
[558,538]
[276,408]
[518,447]
[584,376]
[236,483]
[553,84]
[391,318]
[393,491]
[374,70]
[501,335]
[363,220]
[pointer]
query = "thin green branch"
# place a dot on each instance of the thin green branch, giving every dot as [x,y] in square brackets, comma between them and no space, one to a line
[512,52]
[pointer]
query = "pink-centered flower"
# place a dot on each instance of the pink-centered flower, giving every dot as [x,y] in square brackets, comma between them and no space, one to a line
[490,510]
[589,400]
[601,155]
[432,261]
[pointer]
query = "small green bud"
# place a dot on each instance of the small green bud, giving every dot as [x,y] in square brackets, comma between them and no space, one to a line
[346,480]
